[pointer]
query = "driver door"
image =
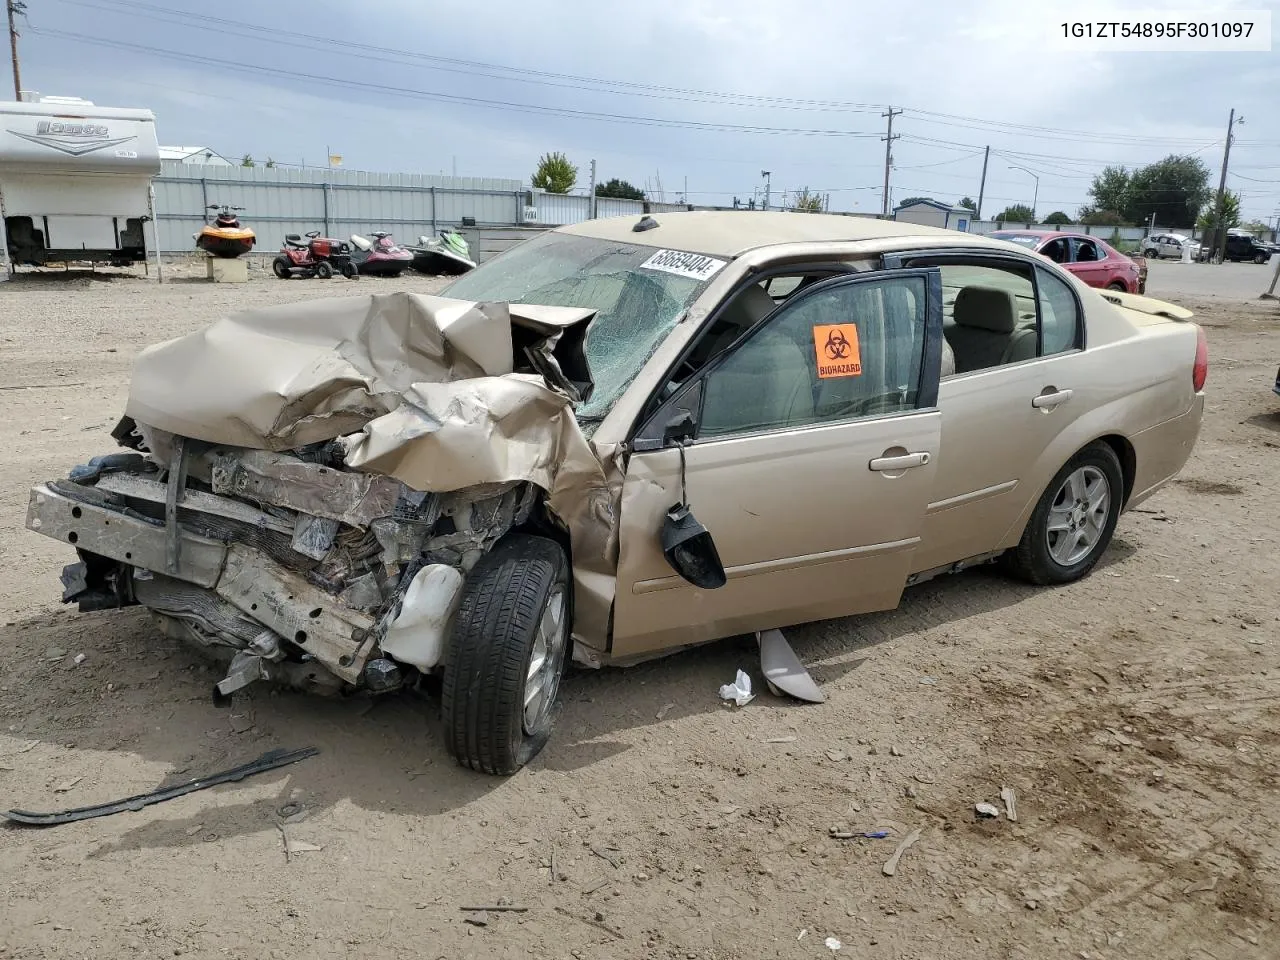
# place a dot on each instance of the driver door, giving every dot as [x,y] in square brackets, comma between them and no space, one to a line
[815,445]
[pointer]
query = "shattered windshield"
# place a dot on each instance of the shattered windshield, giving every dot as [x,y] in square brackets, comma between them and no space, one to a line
[637,305]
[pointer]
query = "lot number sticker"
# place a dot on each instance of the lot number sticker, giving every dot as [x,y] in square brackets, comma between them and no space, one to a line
[836,346]
[692,265]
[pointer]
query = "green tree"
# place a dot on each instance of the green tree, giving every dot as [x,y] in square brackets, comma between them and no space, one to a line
[911,200]
[555,174]
[270,164]
[619,189]
[1110,190]
[1057,217]
[1094,217]
[247,161]
[1209,218]
[1018,213]
[1176,189]
[806,202]
[968,202]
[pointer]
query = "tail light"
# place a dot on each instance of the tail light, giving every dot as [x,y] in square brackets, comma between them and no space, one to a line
[1200,372]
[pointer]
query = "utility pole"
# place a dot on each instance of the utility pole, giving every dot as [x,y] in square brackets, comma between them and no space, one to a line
[982,186]
[15,8]
[1220,241]
[591,201]
[888,139]
[768,182]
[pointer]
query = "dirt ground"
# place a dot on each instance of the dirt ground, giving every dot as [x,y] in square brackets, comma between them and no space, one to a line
[1136,715]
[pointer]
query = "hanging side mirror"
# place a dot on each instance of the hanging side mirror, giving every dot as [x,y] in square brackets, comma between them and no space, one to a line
[689,549]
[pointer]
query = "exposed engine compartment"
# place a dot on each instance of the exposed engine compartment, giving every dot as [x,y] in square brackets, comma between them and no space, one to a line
[288,567]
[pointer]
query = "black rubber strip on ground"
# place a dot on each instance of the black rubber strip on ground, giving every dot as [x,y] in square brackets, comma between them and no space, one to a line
[270,760]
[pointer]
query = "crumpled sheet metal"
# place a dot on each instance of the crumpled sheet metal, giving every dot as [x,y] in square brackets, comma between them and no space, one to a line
[420,388]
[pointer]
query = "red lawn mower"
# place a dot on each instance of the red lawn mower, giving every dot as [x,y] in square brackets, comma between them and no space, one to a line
[317,257]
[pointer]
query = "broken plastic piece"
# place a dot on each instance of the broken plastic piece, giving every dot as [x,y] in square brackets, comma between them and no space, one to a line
[833,944]
[417,635]
[268,761]
[988,811]
[783,669]
[739,691]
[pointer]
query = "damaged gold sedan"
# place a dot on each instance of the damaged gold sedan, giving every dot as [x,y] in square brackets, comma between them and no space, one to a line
[617,440]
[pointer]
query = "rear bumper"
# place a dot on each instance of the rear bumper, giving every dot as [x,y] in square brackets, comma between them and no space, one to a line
[1163,450]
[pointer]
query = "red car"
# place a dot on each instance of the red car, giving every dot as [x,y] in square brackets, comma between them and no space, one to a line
[1096,263]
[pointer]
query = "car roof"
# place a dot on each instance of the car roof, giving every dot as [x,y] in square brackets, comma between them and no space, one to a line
[730,233]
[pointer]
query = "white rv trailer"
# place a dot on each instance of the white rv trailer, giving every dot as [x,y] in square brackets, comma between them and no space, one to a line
[75,181]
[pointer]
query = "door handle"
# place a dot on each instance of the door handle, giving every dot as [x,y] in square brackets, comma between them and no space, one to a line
[904,462]
[1050,398]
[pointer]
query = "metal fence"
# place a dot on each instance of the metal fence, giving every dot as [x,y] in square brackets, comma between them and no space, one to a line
[277,201]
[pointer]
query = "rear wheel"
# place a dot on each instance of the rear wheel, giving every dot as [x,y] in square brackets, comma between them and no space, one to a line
[324,270]
[280,267]
[507,652]
[349,270]
[1072,525]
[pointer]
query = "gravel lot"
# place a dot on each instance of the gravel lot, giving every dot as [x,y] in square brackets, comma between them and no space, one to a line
[1136,714]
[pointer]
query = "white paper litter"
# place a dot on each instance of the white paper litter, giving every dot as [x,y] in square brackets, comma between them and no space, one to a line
[988,810]
[833,944]
[739,691]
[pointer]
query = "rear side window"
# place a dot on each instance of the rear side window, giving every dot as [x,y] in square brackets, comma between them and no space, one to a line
[1059,315]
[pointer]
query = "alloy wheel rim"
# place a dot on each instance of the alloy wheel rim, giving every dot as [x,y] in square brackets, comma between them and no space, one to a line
[1078,515]
[546,662]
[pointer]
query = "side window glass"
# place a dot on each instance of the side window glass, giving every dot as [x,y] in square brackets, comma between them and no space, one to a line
[1086,251]
[848,352]
[989,315]
[1059,316]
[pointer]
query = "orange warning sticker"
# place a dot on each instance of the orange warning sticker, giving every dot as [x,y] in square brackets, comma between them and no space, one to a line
[836,346]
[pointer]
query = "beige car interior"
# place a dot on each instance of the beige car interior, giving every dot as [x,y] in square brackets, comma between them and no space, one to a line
[986,332]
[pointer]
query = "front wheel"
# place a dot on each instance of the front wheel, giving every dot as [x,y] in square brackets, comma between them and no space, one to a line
[349,271]
[1117,285]
[507,652]
[1072,525]
[1151,254]
[324,270]
[280,267]
[1261,258]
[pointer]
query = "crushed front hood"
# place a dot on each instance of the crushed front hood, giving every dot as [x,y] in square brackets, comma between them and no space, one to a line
[441,394]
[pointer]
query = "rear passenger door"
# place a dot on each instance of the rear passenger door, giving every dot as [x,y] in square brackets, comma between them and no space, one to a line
[1015,337]
[1088,262]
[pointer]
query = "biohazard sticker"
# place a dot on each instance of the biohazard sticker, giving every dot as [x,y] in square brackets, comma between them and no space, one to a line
[695,266]
[837,349]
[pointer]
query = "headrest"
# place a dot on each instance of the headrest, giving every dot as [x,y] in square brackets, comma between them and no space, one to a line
[986,308]
[749,307]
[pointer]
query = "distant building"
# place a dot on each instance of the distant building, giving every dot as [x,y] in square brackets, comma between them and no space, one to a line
[195,155]
[931,213]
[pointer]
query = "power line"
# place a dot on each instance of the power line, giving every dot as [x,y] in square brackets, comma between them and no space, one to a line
[453,98]
[629,88]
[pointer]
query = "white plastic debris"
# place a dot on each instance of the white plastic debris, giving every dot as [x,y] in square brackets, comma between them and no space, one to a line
[417,634]
[80,658]
[987,810]
[833,944]
[739,691]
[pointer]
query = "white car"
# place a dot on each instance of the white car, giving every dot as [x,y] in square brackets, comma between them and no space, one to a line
[1168,245]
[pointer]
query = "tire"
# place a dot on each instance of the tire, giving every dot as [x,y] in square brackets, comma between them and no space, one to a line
[1151,254]
[510,595]
[1117,285]
[349,271]
[324,270]
[280,267]
[1043,559]
[1261,259]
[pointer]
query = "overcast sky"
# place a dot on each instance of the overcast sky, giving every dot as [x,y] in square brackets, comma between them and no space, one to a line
[988,67]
